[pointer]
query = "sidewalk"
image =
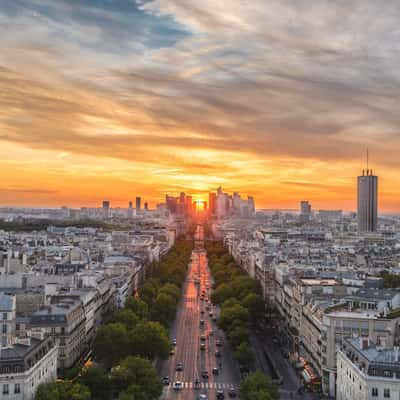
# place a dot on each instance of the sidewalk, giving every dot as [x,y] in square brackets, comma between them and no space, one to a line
[290,383]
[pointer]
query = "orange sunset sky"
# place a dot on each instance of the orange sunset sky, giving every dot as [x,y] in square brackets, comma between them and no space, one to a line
[115,99]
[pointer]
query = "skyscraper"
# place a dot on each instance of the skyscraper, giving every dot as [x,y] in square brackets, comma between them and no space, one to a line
[106,209]
[212,203]
[367,201]
[305,211]
[130,210]
[138,203]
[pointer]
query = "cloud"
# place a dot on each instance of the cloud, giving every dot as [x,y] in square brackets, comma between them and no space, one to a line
[183,85]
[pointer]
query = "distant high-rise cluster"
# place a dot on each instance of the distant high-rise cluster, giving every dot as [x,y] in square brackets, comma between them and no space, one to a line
[182,205]
[224,205]
[106,212]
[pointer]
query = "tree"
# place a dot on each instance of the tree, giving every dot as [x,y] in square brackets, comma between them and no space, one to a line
[258,386]
[127,317]
[222,293]
[238,334]
[62,391]
[244,355]
[149,290]
[164,309]
[172,290]
[139,373]
[111,344]
[150,340]
[138,306]
[134,392]
[255,304]
[98,382]
[230,314]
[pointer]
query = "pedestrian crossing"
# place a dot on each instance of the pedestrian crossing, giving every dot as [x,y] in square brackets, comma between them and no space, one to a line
[207,385]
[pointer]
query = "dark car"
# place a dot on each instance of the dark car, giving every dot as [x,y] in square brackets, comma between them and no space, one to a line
[220,395]
[232,393]
[179,367]
[218,353]
[202,346]
[215,371]
[218,343]
[204,374]
[165,380]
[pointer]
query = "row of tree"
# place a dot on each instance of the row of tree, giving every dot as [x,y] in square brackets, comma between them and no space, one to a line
[242,307]
[126,348]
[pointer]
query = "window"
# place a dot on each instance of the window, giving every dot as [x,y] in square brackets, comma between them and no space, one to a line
[386,393]
[5,316]
[5,388]
[374,392]
[17,388]
[4,328]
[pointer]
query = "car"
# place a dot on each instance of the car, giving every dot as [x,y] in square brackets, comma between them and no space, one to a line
[214,318]
[215,371]
[172,352]
[165,380]
[210,314]
[201,322]
[178,385]
[202,338]
[179,367]
[218,353]
[204,374]
[232,393]
[202,346]
[218,343]
[174,341]
[220,395]
[202,312]
[202,397]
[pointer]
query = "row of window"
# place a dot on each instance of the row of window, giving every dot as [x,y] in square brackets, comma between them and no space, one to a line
[386,393]
[6,388]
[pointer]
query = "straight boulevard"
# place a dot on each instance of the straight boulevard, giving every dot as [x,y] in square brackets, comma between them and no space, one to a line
[196,321]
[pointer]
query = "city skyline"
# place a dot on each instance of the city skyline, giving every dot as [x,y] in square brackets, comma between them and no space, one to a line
[159,96]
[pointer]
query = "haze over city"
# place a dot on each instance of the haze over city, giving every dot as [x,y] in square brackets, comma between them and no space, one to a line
[100,99]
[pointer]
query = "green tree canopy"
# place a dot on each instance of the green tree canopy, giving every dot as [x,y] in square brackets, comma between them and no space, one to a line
[172,290]
[111,344]
[164,309]
[127,317]
[244,355]
[255,304]
[138,306]
[62,391]
[222,293]
[258,386]
[98,382]
[150,340]
[229,316]
[138,372]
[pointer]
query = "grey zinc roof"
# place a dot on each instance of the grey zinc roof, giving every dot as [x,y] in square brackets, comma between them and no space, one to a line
[6,301]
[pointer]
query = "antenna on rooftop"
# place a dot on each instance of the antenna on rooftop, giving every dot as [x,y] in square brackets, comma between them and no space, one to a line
[367,160]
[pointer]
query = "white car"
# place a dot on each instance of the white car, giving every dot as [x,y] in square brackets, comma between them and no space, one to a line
[203,397]
[178,385]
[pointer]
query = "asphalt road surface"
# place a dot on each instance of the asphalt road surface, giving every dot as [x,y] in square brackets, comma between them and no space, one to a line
[187,331]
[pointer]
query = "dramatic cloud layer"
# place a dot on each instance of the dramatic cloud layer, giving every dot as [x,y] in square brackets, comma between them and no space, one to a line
[275,98]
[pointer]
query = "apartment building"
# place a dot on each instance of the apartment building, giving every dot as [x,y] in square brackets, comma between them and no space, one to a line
[366,371]
[65,321]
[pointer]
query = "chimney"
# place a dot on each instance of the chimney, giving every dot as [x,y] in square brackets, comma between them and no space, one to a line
[364,342]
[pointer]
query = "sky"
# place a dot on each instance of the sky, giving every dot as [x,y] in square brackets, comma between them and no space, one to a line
[110,99]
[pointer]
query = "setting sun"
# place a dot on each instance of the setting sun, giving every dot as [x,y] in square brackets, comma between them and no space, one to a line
[200,205]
